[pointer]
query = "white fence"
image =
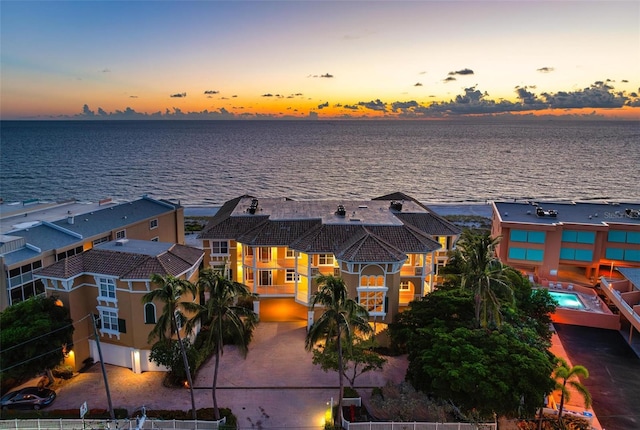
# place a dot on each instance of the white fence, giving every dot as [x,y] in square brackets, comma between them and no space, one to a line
[417,426]
[78,424]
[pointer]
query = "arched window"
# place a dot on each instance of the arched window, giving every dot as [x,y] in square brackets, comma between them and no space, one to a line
[149,313]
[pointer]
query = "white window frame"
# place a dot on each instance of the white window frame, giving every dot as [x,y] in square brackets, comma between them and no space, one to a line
[104,286]
[217,246]
[367,305]
[107,317]
[323,260]
[265,250]
[291,276]
[371,281]
[290,253]
[268,275]
[121,234]
[144,312]
[153,224]
[405,286]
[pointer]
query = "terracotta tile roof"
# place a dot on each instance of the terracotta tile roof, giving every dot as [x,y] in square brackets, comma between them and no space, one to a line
[406,238]
[231,227]
[326,239]
[125,265]
[368,247]
[430,223]
[376,232]
[277,233]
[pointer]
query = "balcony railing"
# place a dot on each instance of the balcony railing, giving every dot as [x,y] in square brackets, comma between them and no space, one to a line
[276,290]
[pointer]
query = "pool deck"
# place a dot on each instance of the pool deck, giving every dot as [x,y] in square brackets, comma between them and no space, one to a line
[595,314]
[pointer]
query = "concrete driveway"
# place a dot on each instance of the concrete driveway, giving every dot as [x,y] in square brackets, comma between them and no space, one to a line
[276,386]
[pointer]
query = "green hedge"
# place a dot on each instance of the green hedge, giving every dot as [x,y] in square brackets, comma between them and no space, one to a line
[205,414]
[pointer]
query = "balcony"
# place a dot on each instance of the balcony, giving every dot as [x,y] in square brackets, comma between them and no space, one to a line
[285,290]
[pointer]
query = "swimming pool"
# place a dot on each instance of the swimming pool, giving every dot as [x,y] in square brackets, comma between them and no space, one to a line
[567,300]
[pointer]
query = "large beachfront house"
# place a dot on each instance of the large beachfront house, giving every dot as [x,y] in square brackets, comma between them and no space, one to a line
[578,242]
[32,237]
[106,284]
[388,251]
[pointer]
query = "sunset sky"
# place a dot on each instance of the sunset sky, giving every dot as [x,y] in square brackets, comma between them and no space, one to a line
[318,59]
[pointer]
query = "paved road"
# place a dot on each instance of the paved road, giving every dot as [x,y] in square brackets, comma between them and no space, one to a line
[614,373]
[276,386]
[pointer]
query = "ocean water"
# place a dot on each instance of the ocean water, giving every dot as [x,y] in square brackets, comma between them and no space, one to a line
[203,163]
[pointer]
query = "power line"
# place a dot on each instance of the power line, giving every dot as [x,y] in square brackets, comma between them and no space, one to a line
[43,335]
[36,357]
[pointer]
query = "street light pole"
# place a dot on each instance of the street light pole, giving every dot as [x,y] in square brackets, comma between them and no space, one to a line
[104,371]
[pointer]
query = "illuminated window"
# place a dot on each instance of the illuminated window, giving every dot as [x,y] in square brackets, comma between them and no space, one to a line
[405,286]
[265,254]
[325,260]
[372,281]
[373,300]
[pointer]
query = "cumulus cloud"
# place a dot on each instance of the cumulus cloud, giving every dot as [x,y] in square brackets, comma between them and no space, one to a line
[326,75]
[211,92]
[267,95]
[417,84]
[461,72]
[449,79]
[106,70]
[545,69]
[598,95]
[376,105]
[472,101]
[404,106]
[133,97]
[178,95]
[86,111]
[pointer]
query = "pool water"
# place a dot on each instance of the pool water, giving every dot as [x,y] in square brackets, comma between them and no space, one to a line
[567,300]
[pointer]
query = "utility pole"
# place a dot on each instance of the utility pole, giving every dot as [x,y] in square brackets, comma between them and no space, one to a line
[104,371]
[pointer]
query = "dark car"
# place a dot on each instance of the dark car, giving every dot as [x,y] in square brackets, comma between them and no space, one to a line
[28,398]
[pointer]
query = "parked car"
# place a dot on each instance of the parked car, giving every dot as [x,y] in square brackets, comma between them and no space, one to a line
[28,398]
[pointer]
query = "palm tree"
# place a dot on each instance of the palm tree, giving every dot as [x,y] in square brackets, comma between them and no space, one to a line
[341,319]
[566,375]
[170,291]
[224,318]
[476,267]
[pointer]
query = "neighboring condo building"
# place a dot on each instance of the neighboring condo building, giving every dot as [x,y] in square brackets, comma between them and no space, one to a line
[387,250]
[107,284]
[559,241]
[26,247]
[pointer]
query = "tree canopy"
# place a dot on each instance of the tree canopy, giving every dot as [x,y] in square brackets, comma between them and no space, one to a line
[483,348]
[342,319]
[223,319]
[34,333]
